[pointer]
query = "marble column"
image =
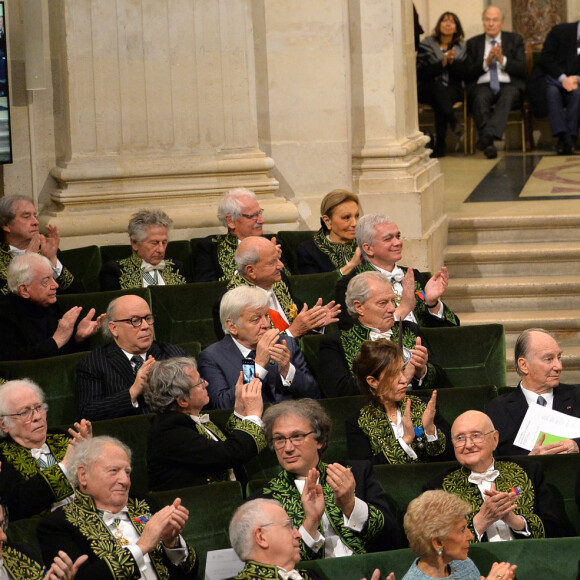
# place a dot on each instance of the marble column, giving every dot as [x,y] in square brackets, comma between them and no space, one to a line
[392,171]
[155,105]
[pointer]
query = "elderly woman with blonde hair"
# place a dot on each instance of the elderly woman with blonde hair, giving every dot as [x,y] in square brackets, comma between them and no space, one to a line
[436,527]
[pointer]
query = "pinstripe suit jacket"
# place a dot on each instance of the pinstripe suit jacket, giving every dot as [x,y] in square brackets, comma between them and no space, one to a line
[104,379]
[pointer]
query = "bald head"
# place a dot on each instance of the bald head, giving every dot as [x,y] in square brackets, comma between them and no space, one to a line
[257,260]
[474,440]
[122,315]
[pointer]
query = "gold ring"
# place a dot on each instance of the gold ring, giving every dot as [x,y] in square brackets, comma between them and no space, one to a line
[340,483]
[499,575]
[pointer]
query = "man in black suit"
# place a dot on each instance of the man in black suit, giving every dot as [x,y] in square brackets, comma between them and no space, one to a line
[560,62]
[279,362]
[537,359]
[240,213]
[496,76]
[110,381]
[19,233]
[32,325]
[147,265]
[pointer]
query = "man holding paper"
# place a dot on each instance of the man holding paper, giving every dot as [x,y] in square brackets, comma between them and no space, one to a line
[538,362]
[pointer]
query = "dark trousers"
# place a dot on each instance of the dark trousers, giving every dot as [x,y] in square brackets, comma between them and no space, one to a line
[490,112]
[563,110]
[441,98]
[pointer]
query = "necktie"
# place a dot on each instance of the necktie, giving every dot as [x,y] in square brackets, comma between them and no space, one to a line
[43,462]
[488,476]
[152,268]
[289,574]
[138,362]
[493,76]
[151,279]
[542,401]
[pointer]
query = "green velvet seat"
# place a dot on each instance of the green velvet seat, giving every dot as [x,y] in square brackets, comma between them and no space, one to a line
[185,313]
[310,345]
[310,287]
[99,301]
[551,558]
[56,377]
[85,265]
[24,532]
[210,510]
[471,355]
[291,240]
[132,431]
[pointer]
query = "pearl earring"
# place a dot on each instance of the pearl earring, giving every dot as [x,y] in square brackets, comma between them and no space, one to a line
[440,552]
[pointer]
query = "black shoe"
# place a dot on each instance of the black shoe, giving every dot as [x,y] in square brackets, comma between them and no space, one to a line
[490,151]
[484,142]
[564,145]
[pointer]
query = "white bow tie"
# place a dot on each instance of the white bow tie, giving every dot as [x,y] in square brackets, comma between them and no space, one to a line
[488,476]
[43,449]
[201,419]
[396,275]
[373,335]
[150,267]
[289,575]
[109,517]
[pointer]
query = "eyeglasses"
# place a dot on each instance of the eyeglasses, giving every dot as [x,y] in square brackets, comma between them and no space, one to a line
[137,321]
[27,415]
[253,216]
[296,440]
[286,523]
[201,382]
[478,437]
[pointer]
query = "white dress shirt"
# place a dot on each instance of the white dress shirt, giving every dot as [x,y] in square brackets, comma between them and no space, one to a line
[532,398]
[502,75]
[160,280]
[329,539]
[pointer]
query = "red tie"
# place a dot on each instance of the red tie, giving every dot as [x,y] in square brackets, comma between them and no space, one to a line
[277,320]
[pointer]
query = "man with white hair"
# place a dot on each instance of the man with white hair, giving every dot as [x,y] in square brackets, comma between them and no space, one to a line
[279,362]
[371,303]
[32,325]
[35,463]
[264,537]
[118,533]
[19,233]
[146,266]
[418,298]
[259,266]
[111,379]
[240,213]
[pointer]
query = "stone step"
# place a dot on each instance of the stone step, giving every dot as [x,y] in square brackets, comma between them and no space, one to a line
[513,293]
[563,324]
[515,259]
[514,227]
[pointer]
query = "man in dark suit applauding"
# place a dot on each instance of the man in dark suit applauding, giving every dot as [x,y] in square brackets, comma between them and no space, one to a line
[496,77]
[560,62]
[110,381]
[279,363]
[537,359]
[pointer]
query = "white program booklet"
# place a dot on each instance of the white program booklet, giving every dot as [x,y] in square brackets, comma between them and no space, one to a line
[539,420]
[221,564]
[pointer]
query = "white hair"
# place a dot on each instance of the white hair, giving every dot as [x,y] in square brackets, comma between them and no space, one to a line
[22,270]
[10,387]
[245,520]
[230,204]
[236,300]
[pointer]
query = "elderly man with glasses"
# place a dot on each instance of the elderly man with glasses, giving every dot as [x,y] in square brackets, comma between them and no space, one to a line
[35,474]
[110,381]
[240,212]
[32,324]
[338,509]
[510,500]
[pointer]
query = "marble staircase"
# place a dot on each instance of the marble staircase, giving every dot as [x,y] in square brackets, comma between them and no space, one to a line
[519,264]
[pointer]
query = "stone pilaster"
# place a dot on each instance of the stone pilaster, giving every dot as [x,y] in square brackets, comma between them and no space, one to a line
[155,106]
[392,171]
